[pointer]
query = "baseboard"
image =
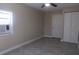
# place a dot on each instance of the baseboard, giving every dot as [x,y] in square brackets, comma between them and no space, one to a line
[69,42]
[18,46]
[47,36]
[50,36]
[61,40]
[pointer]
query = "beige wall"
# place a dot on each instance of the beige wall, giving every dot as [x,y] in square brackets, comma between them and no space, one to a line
[74,9]
[48,23]
[28,24]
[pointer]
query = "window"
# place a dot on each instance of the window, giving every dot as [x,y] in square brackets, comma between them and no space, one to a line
[6,23]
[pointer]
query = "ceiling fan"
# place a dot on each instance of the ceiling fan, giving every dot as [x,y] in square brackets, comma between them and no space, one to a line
[48,4]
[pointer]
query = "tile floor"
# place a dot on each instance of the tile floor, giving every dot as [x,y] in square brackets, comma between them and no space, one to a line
[46,46]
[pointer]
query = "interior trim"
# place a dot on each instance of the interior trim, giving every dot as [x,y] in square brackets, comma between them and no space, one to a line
[19,45]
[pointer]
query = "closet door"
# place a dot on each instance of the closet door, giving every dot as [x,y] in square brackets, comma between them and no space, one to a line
[75,26]
[57,25]
[67,27]
[71,27]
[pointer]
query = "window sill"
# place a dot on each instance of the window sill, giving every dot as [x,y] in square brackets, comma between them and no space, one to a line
[5,34]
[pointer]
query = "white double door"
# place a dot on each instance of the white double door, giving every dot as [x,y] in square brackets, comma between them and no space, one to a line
[71,27]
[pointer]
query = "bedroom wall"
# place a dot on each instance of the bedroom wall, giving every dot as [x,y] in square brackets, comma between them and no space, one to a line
[48,23]
[28,24]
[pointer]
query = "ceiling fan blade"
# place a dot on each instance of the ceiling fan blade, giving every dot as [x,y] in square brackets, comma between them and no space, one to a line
[53,4]
[43,6]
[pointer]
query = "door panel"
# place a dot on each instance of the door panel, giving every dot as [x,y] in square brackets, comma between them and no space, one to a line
[71,27]
[57,25]
[67,27]
[75,26]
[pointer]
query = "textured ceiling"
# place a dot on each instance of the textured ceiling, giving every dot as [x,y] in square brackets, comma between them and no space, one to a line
[51,8]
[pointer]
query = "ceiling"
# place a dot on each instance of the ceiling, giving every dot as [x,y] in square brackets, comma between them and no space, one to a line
[51,8]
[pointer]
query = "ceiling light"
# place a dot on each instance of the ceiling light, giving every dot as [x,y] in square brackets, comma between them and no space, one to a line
[47,4]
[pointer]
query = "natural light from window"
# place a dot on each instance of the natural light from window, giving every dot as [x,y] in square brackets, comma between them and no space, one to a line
[6,21]
[5,17]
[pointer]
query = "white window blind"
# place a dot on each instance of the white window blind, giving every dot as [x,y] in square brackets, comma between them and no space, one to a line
[5,22]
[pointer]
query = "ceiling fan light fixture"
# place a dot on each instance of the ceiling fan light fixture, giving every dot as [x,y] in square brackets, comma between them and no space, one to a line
[47,4]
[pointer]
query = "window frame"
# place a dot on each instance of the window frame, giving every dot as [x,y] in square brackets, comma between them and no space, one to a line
[10,31]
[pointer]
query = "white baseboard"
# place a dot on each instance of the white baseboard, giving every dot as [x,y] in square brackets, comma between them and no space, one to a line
[50,36]
[18,46]
[61,40]
[47,36]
